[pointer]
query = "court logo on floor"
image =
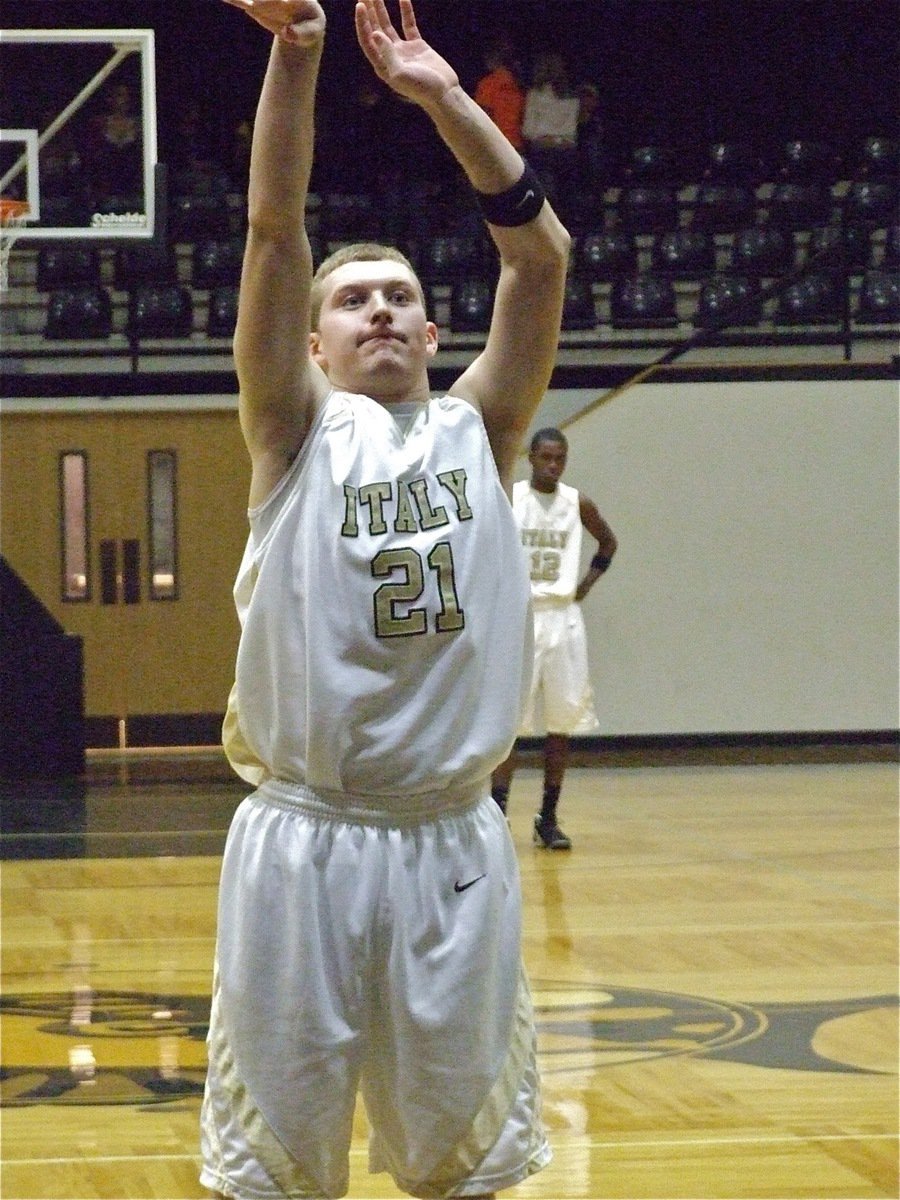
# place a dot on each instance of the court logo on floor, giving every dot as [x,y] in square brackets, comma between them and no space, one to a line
[581,1026]
[102,1047]
[117,1047]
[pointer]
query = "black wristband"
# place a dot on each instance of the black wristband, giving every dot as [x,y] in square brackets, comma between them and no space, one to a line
[517,205]
[600,562]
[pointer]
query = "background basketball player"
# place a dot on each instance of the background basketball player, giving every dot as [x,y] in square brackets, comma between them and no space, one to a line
[551,516]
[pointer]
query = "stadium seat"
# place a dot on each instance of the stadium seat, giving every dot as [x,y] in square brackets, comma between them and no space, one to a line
[471,306]
[808,160]
[216,262]
[606,255]
[879,158]
[79,312]
[449,258]
[67,266]
[648,209]
[872,202]
[160,311]
[725,207]
[134,265]
[890,259]
[643,301]
[850,245]
[732,162]
[416,211]
[727,300]
[878,300]
[796,206]
[579,310]
[192,217]
[762,250]
[812,300]
[686,253]
[348,217]
[222,315]
[650,164]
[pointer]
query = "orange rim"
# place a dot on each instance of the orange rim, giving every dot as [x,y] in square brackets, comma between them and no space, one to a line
[10,210]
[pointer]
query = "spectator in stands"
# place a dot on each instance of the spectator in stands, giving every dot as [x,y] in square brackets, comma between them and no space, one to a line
[116,149]
[592,152]
[369,131]
[191,150]
[550,127]
[499,92]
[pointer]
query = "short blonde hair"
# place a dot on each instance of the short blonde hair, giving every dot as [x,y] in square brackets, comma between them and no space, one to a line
[357,252]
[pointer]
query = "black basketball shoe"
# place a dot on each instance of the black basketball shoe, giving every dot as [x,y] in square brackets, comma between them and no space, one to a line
[549,836]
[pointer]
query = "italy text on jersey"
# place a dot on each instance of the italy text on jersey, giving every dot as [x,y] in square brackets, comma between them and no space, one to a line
[410,507]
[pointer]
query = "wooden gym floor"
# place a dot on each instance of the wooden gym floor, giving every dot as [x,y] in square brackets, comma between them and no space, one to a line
[714,968]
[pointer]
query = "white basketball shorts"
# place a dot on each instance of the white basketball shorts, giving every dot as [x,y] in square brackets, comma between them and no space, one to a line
[561,699]
[373,951]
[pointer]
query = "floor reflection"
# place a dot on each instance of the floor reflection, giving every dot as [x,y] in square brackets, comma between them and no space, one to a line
[123,807]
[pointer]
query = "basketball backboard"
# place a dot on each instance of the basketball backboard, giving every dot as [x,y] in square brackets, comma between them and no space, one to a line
[78,132]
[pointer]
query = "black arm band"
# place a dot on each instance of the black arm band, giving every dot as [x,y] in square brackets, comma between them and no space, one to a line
[517,205]
[600,562]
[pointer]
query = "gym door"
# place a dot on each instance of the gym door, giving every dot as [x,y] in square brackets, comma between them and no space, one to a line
[129,527]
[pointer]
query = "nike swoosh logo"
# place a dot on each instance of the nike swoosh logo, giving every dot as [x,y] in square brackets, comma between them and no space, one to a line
[529,195]
[462,887]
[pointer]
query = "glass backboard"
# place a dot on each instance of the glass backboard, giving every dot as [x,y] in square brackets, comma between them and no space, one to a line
[78,132]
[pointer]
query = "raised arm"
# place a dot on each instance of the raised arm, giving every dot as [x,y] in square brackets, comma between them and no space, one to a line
[509,378]
[280,386]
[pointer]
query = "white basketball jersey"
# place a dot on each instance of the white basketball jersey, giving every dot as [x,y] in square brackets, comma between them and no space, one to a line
[550,524]
[384,608]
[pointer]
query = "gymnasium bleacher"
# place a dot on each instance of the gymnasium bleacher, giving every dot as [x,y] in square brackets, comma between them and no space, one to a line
[658,255]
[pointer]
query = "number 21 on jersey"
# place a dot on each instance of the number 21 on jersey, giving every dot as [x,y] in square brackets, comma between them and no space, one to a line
[391,597]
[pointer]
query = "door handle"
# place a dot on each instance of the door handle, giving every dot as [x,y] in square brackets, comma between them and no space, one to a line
[109,569]
[131,571]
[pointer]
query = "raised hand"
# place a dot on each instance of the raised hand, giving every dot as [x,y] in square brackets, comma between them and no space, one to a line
[301,22]
[407,64]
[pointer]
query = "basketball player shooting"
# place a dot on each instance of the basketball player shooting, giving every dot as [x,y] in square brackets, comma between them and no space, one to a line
[369,917]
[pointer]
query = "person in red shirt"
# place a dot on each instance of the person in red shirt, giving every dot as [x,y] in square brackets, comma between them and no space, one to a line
[500,94]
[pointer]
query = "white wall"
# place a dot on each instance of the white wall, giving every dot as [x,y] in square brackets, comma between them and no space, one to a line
[756,584]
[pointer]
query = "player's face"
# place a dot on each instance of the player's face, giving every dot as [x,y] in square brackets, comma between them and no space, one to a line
[374,337]
[548,461]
